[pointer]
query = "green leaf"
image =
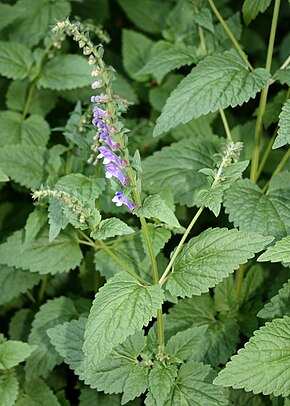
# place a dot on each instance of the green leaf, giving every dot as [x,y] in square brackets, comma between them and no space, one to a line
[280,252]
[207,259]
[123,88]
[23,163]
[15,60]
[176,168]
[252,8]
[159,237]
[274,107]
[62,255]
[35,222]
[8,389]
[7,15]
[13,352]
[65,72]
[36,18]
[159,94]
[20,324]
[135,49]
[283,136]
[92,397]
[251,210]
[154,206]
[204,19]
[279,304]
[166,61]
[263,365]
[121,307]
[193,387]
[110,228]
[188,344]
[230,84]
[3,176]
[50,314]
[283,75]
[37,393]
[161,380]
[148,15]
[136,383]
[13,282]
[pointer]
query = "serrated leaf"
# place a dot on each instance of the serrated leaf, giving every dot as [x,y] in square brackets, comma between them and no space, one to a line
[283,136]
[92,397]
[154,206]
[65,72]
[207,259]
[166,61]
[110,228]
[136,383]
[188,344]
[161,379]
[230,84]
[251,210]
[159,94]
[37,393]
[23,163]
[7,15]
[15,60]
[176,168]
[279,304]
[263,364]
[135,50]
[147,15]
[159,237]
[204,18]
[20,324]
[193,387]
[13,352]
[280,252]
[283,75]
[274,107]
[252,8]
[50,314]
[8,389]
[40,256]
[36,17]
[122,306]
[13,282]
[3,176]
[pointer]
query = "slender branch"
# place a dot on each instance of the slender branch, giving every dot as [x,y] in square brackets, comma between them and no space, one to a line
[178,248]
[42,288]
[263,98]
[28,101]
[278,169]
[230,34]
[239,279]
[226,125]
[286,63]
[202,39]
[266,154]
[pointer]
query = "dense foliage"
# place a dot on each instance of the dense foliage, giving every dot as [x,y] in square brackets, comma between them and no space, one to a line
[145,202]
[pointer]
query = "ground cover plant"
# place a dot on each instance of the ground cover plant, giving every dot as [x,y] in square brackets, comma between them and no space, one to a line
[145,202]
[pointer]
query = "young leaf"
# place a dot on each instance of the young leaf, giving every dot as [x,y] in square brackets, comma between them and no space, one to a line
[154,206]
[279,304]
[161,379]
[37,393]
[13,282]
[15,60]
[59,256]
[176,167]
[65,72]
[166,61]
[193,386]
[217,82]
[283,136]
[136,383]
[13,352]
[50,314]
[110,228]
[263,365]
[122,306]
[207,259]
[8,389]
[252,8]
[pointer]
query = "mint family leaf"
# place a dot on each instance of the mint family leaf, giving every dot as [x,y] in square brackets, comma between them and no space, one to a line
[37,393]
[15,60]
[13,352]
[252,8]
[110,228]
[161,379]
[284,127]
[8,389]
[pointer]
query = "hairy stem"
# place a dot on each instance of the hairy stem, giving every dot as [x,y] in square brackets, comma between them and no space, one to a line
[230,34]
[178,248]
[226,125]
[263,98]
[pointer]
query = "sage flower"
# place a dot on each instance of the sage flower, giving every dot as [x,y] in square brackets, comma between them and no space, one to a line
[104,137]
[109,156]
[119,199]
[112,170]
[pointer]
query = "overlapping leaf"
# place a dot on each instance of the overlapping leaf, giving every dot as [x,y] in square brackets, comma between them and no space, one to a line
[15,60]
[13,352]
[279,305]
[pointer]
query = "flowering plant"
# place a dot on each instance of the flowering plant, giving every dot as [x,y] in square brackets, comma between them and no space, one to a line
[151,264]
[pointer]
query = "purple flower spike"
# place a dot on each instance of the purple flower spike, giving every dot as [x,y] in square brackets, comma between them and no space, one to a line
[108,156]
[104,137]
[119,200]
[112,170]
[100,113]
[103,126]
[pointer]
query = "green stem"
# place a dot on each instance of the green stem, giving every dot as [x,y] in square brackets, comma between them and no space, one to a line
[42,288]
[202,39]
[230,34]
[29,295]
[278,169]
[263,98]
[178,248]
[226,125]
[239,279]
[28,101]
[266,153]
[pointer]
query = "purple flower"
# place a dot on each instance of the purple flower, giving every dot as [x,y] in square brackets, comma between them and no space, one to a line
[99,113]
[112,170]
[119,200]
[110,157]
[104,137]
